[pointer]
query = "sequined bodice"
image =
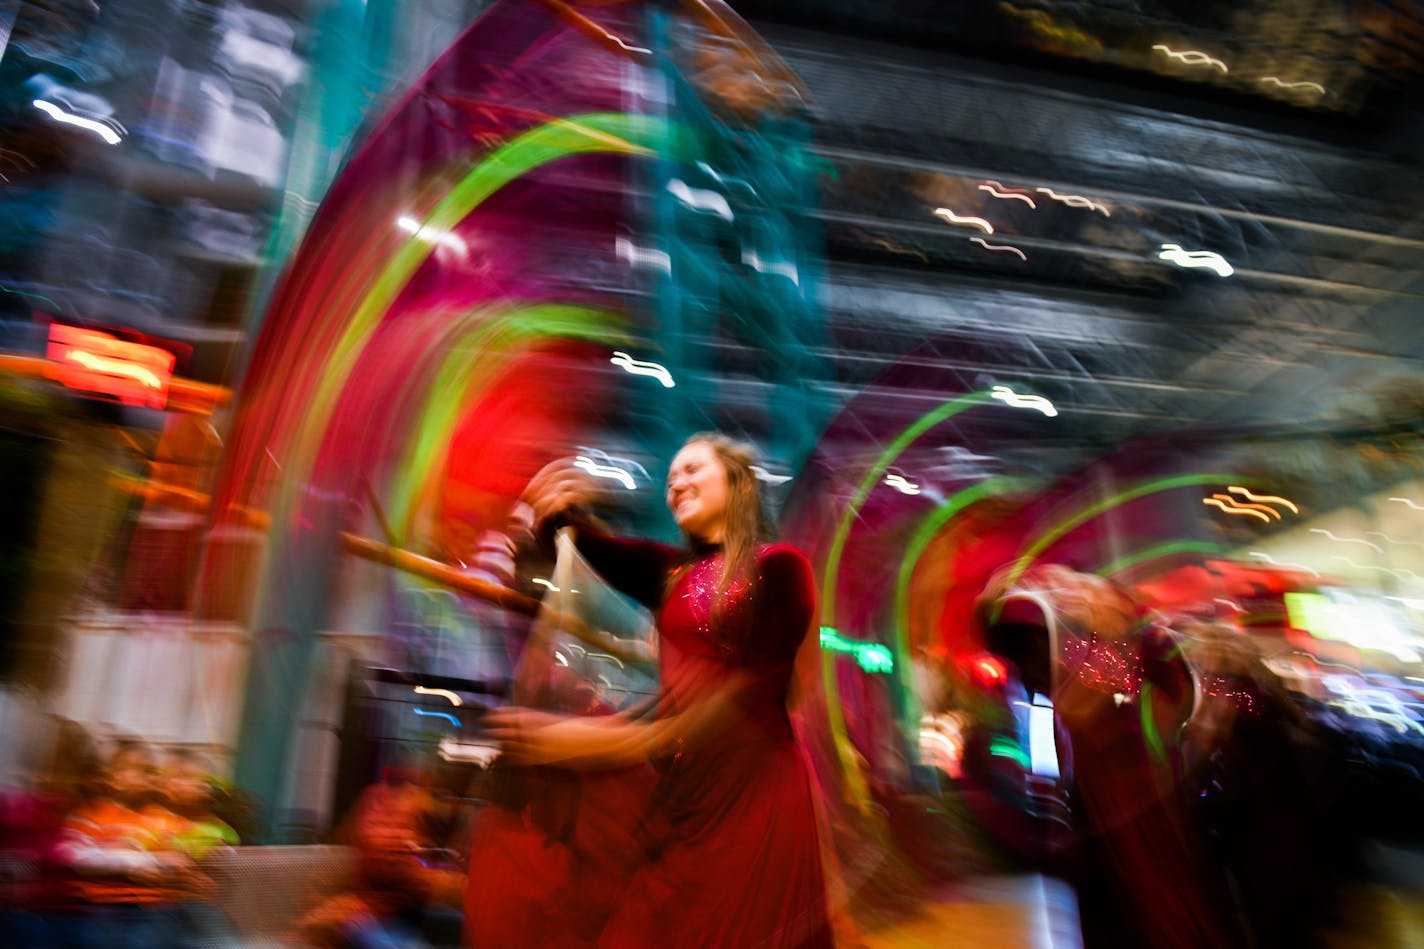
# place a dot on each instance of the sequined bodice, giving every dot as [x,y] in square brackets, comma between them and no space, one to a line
[752,627]
[1104,665]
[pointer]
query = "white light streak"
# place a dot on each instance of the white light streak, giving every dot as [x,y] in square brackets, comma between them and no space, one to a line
[1399,572]
[1391,540]
[480,753]
[965,220]
[1408,502]
[545,584]
[1015,400]
[454,698]
[1282,563]
[988,246]
[431,235]
[1191,57]
[999,191]
[598,454]
[101,129]
[764,475]
[1194,259]
[700,199]
[637,256]
[1303,84]
[115,367]
[640,368]
[786,268]
[1348,540]
[899,483]
[611,472]
[1076,201]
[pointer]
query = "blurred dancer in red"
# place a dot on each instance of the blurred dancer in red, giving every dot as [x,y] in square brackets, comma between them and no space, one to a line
[729,853]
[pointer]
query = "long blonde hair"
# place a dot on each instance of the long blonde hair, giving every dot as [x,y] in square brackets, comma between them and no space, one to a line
[745,524]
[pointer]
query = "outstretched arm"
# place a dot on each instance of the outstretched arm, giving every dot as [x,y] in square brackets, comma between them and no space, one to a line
[613,741]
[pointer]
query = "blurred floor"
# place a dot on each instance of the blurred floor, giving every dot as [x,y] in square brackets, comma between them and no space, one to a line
[1386,909]
[1037,912]
[989,913]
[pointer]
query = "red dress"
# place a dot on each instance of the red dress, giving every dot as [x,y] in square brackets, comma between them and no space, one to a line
[728,847]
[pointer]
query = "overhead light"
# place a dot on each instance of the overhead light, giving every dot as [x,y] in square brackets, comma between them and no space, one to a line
[1196,259]
[764,475]
[1004,247]
[1015,400]
[1265,508]
[1233,509]
[611,472]
[700,199]
[1190,57]
[1348,540]
[1260,555]
[101,129]
[638,256]
[1280,83]
[452,696]
[964,219]
[1264,498]
[640,368]
[999,191]
[1076,201]
[899,483]
[431,235]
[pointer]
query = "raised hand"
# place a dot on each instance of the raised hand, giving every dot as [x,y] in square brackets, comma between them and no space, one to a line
[559,486]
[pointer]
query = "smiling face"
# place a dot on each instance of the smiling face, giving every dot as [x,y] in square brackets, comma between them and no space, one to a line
[697,490]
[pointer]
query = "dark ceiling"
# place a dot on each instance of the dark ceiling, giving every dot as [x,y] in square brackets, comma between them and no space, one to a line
[1312,197]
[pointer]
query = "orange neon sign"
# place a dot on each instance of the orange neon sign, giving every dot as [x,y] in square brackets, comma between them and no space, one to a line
[95,362]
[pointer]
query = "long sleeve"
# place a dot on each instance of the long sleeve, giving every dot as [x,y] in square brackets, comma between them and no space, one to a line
[637,568]
[785,604]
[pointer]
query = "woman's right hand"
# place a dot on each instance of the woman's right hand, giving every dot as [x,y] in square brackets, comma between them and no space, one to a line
[560,486]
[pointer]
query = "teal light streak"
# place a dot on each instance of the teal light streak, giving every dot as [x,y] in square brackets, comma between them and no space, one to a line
[37,296]
[1002,747]
[872,657]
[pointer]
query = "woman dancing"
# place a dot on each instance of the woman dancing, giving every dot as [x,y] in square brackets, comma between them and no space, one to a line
[727,846]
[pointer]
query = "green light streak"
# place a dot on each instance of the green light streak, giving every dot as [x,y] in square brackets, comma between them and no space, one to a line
[593,133]
[925,533]
[872,657]
[471,364]
[1003,747]
[926,422]
[836,720]
[1149,723]
[1161,550]
[1117,500]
